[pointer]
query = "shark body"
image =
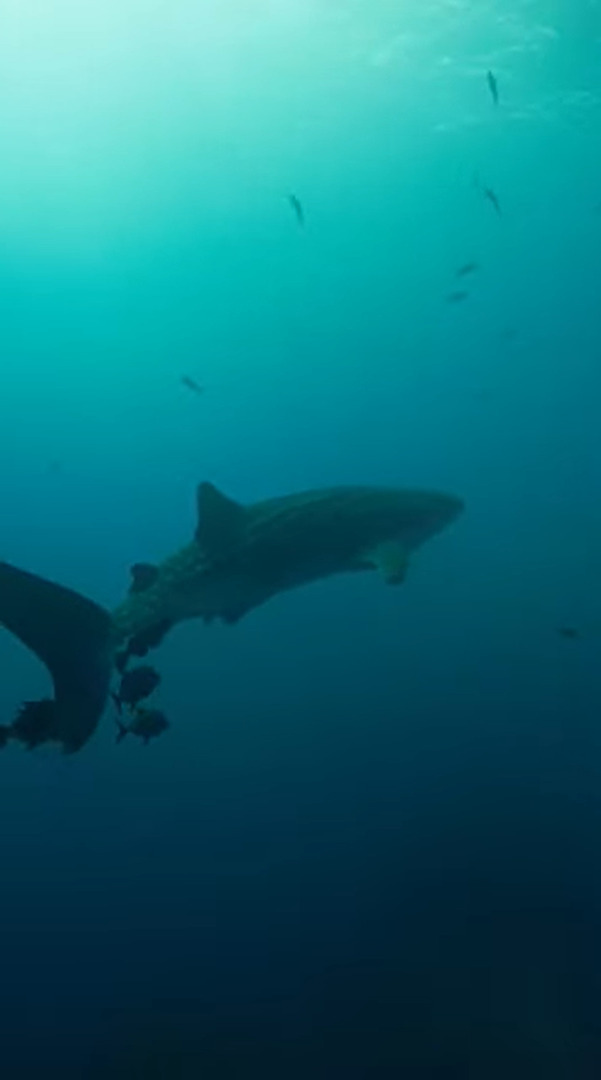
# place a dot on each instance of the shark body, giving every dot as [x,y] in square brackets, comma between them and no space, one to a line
[239,558]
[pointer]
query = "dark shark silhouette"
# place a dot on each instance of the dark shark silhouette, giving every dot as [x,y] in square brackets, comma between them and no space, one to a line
[239,558]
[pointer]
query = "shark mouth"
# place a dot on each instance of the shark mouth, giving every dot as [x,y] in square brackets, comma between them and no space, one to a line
[72,637]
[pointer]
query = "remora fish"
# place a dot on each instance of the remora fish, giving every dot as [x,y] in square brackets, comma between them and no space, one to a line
[136,685]
[147,724]
[239,558]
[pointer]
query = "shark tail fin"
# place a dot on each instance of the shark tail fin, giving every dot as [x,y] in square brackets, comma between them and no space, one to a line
[72,636]
[117,703]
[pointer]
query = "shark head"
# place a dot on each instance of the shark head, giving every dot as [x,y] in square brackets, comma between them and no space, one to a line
[381,527]
[416,516]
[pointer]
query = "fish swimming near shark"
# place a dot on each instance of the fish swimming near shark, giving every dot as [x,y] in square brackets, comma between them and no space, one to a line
[135,686]
[147,724]
[239,557]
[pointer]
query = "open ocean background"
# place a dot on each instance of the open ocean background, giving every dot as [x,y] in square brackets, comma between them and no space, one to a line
[369,845]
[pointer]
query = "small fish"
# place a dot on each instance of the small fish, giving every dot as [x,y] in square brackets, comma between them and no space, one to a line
[147,724]
[457,297]
[493,200]
[297,207]
[466,269]
[192,384]
[136,685]
[488,194]
[141,643]
[493,86]
[571,633]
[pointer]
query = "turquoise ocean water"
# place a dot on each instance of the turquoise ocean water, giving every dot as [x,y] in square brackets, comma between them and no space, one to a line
[368,846]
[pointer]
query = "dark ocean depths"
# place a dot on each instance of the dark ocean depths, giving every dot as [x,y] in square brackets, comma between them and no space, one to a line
[370,843]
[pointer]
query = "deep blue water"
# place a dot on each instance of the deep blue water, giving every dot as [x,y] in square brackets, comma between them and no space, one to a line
[368,846]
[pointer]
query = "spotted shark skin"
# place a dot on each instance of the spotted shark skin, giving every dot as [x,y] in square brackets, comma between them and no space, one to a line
[239,558]
[247,555]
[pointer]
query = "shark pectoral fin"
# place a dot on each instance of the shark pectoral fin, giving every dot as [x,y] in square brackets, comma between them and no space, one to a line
[221,521]
[391,559]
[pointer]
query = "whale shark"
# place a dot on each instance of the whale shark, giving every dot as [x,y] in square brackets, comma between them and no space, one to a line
[239,558]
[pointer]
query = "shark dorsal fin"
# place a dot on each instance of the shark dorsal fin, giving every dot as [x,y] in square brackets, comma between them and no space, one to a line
[221,521]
